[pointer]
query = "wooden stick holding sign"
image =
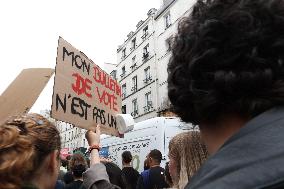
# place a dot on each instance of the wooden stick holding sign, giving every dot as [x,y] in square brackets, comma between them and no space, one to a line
[83,94]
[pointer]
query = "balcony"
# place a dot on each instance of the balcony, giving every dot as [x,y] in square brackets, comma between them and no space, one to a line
[134,89]
[147,80]
[132,48]
[148,107]
[123,95]
[123,75]
[144,35]
[134,113]
[133,67]
[145,56]
[123,57]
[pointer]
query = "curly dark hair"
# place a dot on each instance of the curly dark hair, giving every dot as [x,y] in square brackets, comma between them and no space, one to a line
[227,58]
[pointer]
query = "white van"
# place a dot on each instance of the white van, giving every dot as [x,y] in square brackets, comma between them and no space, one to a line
[146,135]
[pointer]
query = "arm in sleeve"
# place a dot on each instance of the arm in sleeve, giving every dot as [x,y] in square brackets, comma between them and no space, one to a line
[96,178]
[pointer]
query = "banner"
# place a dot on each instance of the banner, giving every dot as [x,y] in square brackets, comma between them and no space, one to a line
[83,94]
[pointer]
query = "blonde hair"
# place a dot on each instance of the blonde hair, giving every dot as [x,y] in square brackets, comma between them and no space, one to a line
[24,143]
[189,153]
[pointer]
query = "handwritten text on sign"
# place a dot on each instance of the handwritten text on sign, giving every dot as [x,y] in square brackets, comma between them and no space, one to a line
[83,93]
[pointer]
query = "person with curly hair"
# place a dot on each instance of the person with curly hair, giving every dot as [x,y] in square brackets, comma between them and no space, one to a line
[29,153]
[78,165]
[187,153]
[226,74]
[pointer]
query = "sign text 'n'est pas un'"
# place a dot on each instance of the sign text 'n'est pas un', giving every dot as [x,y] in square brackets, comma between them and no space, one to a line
[83,94]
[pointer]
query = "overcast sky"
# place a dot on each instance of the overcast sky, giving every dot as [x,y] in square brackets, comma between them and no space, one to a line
[30,30]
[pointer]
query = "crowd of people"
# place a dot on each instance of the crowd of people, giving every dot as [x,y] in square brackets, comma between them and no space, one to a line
[30,143]
[226,75]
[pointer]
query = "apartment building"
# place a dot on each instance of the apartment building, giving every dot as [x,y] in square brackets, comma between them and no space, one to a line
[143,58]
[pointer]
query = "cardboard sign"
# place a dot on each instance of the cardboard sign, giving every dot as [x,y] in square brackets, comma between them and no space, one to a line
[83,94]
[22,93]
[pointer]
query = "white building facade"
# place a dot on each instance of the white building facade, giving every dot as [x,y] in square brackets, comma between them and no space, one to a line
[135,70]
[71,137]
[143,58]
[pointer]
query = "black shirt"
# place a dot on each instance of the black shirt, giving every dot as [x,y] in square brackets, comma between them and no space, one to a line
[75,185]
[157,178]
[130,176]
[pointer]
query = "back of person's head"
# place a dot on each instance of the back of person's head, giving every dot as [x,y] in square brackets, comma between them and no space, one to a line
[78,165]
[188,153]
[146,164]
[227,59]
[155,155]
[25,144]
[126,157]
[115,174]
[64,163]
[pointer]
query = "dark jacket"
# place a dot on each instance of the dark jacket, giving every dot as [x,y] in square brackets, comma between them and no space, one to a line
[252,158]
[131,176]
[155,179]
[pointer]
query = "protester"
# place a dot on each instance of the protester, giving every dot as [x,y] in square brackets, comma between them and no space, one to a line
[115,174]
[146,164]
[226,74]
[129,173]
[168,177]
[153,177]
[77,165]
[63,169]
[29,153]
[187,153]
[68,176]
[96,176]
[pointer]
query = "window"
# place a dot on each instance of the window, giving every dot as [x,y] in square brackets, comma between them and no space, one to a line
[134,84]
[145,33]
[167,18]
[113,74]
[133,44]
[148,77]
[123,72]
[148,102]
[84,142]
[134,108]
[123,109]
[169,44]
[123,53]
[123,90]
[145,52]
[133,67]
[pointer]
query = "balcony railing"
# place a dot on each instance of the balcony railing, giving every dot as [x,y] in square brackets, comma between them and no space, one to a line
[134,113]
[123,95]
[147,80]
[123,74]
[133,67]
[134,89]
[144,35]
[148,107]
[145,56]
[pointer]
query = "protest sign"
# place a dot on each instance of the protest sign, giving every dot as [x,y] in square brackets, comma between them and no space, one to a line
[83,94]
[22,93]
